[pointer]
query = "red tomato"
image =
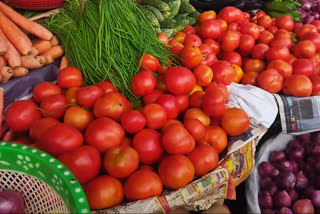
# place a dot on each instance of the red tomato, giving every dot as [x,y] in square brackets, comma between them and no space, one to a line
[274,53]
[215,137]
[111,105]
[260,13]
[70,95]
[121,161]
[315,79]
[265,21]
[249,78]
[190,57]
[78,118]
[296,27]
[133,121]
[195,128]
[210,29]
[38,127]
[304,49]
[233,26]
[246,16]
[209,59]
[143,83]
[152,97]
[223,24]
[213,103]
[84,162]
[54,106]
[203,75]
[147,143]
[176,171]
[125,141]
[246,44]
[155,114]
[21,114]
[313,37]
[207,15]
[195,99]
[69,77]
[282,34]
[273,29]
[304,67]
[59,139]
[148,62]
[230,40]
[298,86]
[142,184]
[180,37]
[259,50]
[88,96]
[231,14]
[270,80]
[254,65]
[235,121]
[282,42]
[305,29]
[170,104]
[44,90]
[104,133]
[285,22]
[197,113]
[175,46]
[183,102]
[215,46]
[284,68]
[192,40]
[223,72]
[222,87]
[107,87]
[163,38]
[104,192]
[265,37]
[233,58]
[179,80]
[251,29]
[177,140]
[190,30]
[204,159]
[316,23]
[205,49]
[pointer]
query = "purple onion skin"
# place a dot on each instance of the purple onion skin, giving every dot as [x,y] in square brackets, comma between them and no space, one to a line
[293,144]
[317,181]
[277,156]
[264,182]
[306,5]
[275,172]
[301,181]
[268,211]
[308,192]
[286,180]
[272,188]
[315,137]
[315,197]
[303,206]
[265,169]
[316,149]
[265,200]
[282,199]
[317,167]
[296,153]
[285,210]
[11,202]
[305,138]
[293,194]
[287,166]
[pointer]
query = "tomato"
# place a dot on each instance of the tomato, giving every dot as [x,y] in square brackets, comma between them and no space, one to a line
[246,44]
[233,58]
[303,66]
[84,162]
[155,114]
[265,37]
[179,80]
[176,171]
[77,117]
[249,78]
[170,104]
[270,80]
[315,79]
[215,137]
[142,184]
[180,37]
[259,50]
[235,121]
[285,22]
[175,47]
[215,46]
[21,114]
[70,95]
[304,49]
[104,133]
[203,75]
[209,59]
[133,121]
[316,23]
[38,127]
[260,13]
[313,37]
[125,141]
[195,128]
[316,61]
[230,40]
[183,102]
[282,42]
[223,24]
[177,140]
[107,87]
[277,52]
[88,96]
[192,40]
[195,89]
[231,14]
[282,34]
[246,16]
[197,113]
[284,68]
[213,103]
[59,139]
[204,159]
[305,29]
[239,73]
[222,87]
[265,21]
[296,27]
[223,72]
[104,192]
[233,26]
[251,29]
[210,29]
[44,90]
[69,77]
[207,15]
[297,85]
[190,30]
[143,83]
[195,99]
[54,106]
[161,85]
[190,57]
[163,38]
[205,49]
[111,105]
[148,62]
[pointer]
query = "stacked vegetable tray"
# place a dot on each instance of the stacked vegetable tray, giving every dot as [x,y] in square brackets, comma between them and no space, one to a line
[153,106]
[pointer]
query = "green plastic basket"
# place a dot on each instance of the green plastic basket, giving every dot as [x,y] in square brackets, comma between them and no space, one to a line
[45,183]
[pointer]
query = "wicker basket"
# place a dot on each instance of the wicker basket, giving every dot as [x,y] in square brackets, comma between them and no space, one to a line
[35,4]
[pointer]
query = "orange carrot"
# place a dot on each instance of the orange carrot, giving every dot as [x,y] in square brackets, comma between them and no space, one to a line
[8,136]
[6,73]
[15,35]
[12,56]
[1,107]
[64,63]
[32,62]
[3,45]
[35,51]
[54,53]
[20,72]
[26,24]
[3,62]
[42,45]
[54,41]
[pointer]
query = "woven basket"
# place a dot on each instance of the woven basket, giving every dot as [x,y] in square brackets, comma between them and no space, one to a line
[35,4]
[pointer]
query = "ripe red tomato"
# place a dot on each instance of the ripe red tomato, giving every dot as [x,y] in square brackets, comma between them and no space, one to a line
[222,87]
[265,37]
[143,83]
[170,104]
[297,85]
[210,29]
[285,22]
[78,118]
[179,80]
[213,103]
[203,75]
[183,102]
[205,49]
[296,27]
[197,113]
[282,42]
[215,46]
[107,87]
[88,96]
[104,192]
[304,49]
[215,137]
[148,62]
[190,57]
[313,37]
[304,67]
[44,90]
[192,40]
[233,58]
[155,114]
[230,40]
[177,140]
[195,99]
[70,95]
[190,30]
[260,13]
[54,106]
[265,21]
[223,24]
[104,133]
[121,161]
[251,29]
[223,72]
[147,143]
[207,15]
[152,97]
[175,47]
[38,127]
[246,44]
[249,78]
[176,171]
[21,114]
[142,184]
[60,138]
[315,79]
[209,59]
[233,26]
[305,29]
[270,80]
[111,105]
[195,128]
[316,23]
[254,65]
[277,52]
[284,68]
[235,121]
[84,162]
[231,14]
[133,121]
[273,29]
[204,159]
[163,38]
[69,77]
[180,37]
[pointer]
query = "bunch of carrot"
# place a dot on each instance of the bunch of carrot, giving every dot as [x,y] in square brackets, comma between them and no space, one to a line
[18,53]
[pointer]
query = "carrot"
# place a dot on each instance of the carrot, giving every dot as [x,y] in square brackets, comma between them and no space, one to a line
[15,35]
[1,107]
[3,45]
[64,63]
[12,56]
[26,24]
[32,62]
[8,136]
[20,72]
[3,62]
[42,45]
[54,41]
[35,51]
[6,73]
[53,53]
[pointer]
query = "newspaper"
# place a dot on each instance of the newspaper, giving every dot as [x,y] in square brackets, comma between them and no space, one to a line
[299,115]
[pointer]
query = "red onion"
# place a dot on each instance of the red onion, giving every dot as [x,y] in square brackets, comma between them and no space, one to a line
[293,144]
[305,138]
[317,167]
[315,197]
[286,180]
[282,199]
[316,149]
[277,156]
[265,169]
[285,210]
[268,211]
[293,194]
[288,166]
[303,206]
[275,173]
[271,188]
[265,200]
[11,202]
[296,153]
[308,192]
[301,181]
[264,182]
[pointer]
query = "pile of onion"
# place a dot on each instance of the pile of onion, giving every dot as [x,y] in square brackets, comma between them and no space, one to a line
[310,10]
